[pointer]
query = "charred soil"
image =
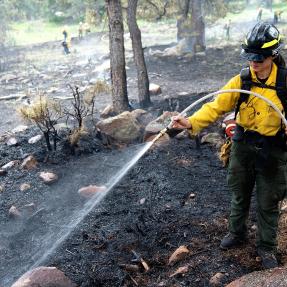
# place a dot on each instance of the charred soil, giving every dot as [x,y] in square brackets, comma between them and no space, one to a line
[176,195]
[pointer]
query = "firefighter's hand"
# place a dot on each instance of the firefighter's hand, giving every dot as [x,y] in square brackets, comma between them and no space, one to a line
[180,122]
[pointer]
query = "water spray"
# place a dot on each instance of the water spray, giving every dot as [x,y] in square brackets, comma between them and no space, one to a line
[42,256]
[184,112]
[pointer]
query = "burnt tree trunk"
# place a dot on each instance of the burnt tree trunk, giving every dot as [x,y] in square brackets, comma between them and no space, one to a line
[197,39]
[117,56]
[181,21]
[135,33]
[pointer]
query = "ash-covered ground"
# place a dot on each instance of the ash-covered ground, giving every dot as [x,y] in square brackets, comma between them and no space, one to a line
[175,195]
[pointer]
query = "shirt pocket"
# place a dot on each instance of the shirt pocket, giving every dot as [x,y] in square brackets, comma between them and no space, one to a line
[246,115]
[272,119]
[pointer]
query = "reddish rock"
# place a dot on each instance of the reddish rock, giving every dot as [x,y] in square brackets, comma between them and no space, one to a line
[179,254]
[268,278]
[48,177]
[91,190]
[44,277]
[29,163]
[154,89]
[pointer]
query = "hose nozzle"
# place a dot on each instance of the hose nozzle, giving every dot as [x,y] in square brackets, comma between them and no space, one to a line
[160,134]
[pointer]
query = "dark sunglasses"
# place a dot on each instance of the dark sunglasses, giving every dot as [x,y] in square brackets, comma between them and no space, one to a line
[260,62]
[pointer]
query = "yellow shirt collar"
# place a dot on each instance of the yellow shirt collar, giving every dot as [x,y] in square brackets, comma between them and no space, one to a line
[272,77]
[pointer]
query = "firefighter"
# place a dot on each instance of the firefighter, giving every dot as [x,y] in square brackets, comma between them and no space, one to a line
[259,14]
[86,28]
[227,27]
[258,157]
[80,30]
[66,41]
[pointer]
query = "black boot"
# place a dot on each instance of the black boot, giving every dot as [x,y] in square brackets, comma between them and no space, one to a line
[268,258]
[230,240]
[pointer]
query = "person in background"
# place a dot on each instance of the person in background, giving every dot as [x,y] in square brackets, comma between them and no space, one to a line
[258,154]
[259,14]
[227,29]
[65,33]
[80,30]
[87,28]
[276,17]
[65,42]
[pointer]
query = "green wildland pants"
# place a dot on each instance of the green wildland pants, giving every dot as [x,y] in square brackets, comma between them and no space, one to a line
[270,182]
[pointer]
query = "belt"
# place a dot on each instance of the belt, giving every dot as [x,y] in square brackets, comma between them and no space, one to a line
[256,139]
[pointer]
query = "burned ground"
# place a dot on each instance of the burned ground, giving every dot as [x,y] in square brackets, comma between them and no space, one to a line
[150,211]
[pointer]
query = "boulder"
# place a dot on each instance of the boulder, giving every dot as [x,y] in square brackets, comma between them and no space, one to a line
[122,128]
[142,116]
[158,124]
[213,138]
[108,111]
[154,89]
[137,113]
[268,278]
[44,277]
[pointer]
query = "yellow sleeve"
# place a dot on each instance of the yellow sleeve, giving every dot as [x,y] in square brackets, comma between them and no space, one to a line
[211,111]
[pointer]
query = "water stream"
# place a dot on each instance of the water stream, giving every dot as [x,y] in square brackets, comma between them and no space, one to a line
[90,204]
[49,242]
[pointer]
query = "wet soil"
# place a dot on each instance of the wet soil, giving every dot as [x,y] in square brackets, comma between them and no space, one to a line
[175,195]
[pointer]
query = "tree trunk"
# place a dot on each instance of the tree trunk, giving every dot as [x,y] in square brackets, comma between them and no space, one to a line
[269,4]
[181,21]
[117,55]
[135,33]
[197,39]
[47,139]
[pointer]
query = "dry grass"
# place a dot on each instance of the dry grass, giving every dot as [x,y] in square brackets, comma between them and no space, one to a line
[100,87]
[76,134]
[41,111]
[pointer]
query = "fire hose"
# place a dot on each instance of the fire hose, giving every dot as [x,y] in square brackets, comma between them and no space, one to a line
[184,112]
